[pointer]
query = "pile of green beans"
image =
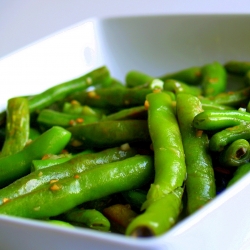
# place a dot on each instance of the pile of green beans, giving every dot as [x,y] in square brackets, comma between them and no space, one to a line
[132,157]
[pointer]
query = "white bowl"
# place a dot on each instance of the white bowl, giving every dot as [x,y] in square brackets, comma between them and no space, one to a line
[156,45]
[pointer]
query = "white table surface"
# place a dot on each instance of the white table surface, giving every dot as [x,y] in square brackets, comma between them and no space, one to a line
[23,22]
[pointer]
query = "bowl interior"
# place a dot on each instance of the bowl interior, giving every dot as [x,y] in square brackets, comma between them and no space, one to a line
[161,44]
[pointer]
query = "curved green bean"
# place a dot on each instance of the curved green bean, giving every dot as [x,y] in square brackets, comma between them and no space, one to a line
[224,137]
[220,119]
[236,154]
[200,183]
[15,166]
[166,191]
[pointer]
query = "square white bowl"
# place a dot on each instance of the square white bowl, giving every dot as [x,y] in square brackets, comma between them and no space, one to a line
[156,45]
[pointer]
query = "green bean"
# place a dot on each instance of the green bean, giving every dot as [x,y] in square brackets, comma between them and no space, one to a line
[2,136]
[224,137]
[248,107]
[220,119]
[57,198]
[60,223]
[17,165]
[214,79]
[48,118]
[41,164]
[75,107]
[139,80]
[191,75]
[17,126]
[170,170]
[60,91]
[90,218]
[136,78]
[34,133]
[200,183]
[165,135]
[236,154]
[111,98]
[156,85]
[52,160]
[138,112]
[135,197]
[240,172]
[237,67]
[231,98]
[101,203]
[154,221]
[180,87]
[115,83]
[208,105]
[76,165]
[104,134]
[247,78]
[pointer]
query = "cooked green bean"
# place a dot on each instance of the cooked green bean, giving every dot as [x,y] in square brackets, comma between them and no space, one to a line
[15,166]
[200,183]
[191,76]
[236,154]
[75,165]
[58,197]
[220,119]
[60,91]
[214,79]
[136,78]
[48,118]
[90,218]
[224,137]
[166,191]
[208,105]
[75,107]
[237,67]
[180,87]
[240,172]
[230,98]
[138,112]
[109,133]
[112,98]
[17,126]
[135,197]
